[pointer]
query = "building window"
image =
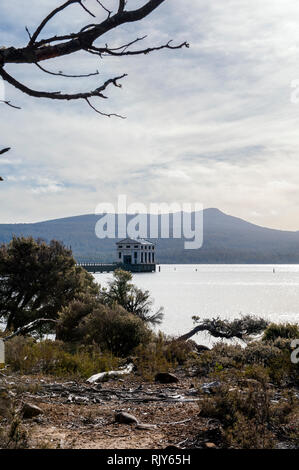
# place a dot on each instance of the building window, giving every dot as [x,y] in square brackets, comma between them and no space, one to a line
[119,255]
[120,246]
[146,257]
[136,246]
[128,246]
[149,257]
[153,257]
[141,257]
[135,254]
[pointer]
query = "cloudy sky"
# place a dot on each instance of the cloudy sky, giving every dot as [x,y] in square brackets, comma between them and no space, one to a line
[215,124]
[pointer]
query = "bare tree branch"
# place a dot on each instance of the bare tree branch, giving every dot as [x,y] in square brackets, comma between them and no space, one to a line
[28,328]
[103,114]
[122,4]
[106,9]
[9,104]
[4,150]
[61,74]
[40,48]
[57,95]
[108,51]
[48,18]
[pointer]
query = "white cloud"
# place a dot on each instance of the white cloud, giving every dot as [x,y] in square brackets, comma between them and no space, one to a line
[212,124]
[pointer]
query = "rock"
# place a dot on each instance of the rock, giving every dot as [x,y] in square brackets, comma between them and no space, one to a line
[201,348]
[166,378]
[210,445]
[145,426]
[30,411]
[125,418]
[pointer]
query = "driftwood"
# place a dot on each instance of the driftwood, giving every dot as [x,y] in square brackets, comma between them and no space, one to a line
[111,373]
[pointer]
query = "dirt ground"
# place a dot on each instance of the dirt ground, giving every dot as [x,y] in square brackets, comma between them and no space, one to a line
[79,415]
[70,420]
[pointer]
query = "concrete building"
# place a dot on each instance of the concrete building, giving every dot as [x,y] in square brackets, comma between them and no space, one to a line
[136,251]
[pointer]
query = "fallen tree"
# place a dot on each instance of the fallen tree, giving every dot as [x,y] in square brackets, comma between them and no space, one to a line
[241,328]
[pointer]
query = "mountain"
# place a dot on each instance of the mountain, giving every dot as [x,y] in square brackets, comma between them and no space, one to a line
[227,239]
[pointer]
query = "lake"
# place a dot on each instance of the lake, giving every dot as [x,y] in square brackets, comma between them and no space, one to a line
[228,291]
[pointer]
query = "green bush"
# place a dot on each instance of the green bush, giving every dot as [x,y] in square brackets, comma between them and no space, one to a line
[28,356]
[274,357]
[161,355]
[112,328]
[248,416]
[286,330]
[115,330]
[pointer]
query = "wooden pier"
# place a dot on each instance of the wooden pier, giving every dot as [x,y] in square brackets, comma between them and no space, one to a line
[110,267]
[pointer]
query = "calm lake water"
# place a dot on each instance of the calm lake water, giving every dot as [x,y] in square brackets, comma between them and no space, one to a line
[228,291]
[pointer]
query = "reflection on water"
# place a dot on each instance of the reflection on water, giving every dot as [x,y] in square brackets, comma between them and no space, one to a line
[227,291]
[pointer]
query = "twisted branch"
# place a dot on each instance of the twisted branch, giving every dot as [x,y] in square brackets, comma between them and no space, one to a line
[40,49]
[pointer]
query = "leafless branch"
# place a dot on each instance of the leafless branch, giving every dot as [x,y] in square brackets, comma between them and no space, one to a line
[61,74]
[108,51]
[122,4]
[86,9]
[9,104]
[28,328]
[106,9]
[4,150]
[40,48]
[57,95]
[102,113]
[48,18]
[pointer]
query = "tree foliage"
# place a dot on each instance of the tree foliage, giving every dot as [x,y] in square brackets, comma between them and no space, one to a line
[38,280]
[121,291]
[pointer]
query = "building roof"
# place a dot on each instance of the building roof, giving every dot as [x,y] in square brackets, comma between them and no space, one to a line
[139,241]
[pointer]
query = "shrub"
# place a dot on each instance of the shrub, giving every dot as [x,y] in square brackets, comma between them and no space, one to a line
[161,355]
[248,416]
[13,435]
[115,330]
[112,328]
[28,356]
[273,357]
[286,330]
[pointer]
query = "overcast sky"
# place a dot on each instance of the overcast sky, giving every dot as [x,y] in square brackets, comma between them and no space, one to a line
[213,124]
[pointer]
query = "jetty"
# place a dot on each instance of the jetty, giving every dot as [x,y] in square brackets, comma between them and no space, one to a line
[109,267]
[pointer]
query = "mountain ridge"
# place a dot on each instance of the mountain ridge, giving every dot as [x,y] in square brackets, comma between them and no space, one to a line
[226,239]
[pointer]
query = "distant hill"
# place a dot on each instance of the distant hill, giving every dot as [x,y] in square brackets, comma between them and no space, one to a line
[227,239]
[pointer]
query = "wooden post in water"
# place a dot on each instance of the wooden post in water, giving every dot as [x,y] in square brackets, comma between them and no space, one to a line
[2,354]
